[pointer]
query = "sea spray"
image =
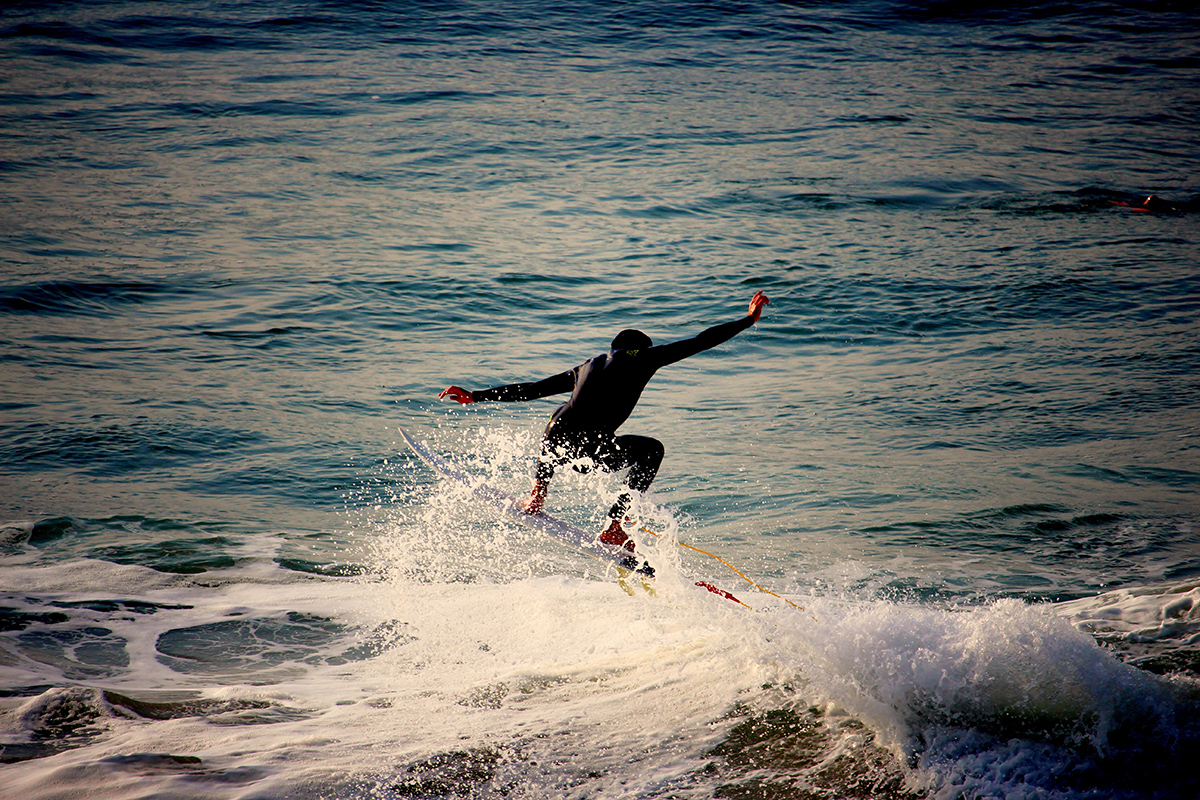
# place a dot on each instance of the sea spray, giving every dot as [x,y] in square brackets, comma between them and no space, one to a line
[949,686]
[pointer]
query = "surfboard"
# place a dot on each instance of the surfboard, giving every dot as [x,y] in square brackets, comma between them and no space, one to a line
[628,565]
[509,506]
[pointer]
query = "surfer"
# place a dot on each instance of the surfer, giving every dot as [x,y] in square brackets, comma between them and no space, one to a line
[1155,204]
[604,391]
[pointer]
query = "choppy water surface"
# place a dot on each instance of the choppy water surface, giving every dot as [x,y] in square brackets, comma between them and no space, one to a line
[244,244]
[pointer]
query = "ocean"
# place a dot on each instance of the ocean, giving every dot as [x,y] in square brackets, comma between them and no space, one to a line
[951,474]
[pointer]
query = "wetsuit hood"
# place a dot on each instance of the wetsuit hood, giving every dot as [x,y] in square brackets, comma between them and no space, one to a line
[631,340]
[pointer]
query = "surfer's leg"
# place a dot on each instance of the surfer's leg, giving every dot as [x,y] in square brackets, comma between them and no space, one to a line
[541,483]
[643,456]
[557,449]
[537,497]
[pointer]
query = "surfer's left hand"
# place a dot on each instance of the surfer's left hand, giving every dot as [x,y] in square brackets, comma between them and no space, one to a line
[756,304]
[457,393]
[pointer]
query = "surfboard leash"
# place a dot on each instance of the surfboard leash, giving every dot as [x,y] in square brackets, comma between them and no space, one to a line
[739,573]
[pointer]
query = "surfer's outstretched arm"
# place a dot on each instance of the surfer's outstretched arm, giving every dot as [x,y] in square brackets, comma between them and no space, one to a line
[513,392]
[717,334]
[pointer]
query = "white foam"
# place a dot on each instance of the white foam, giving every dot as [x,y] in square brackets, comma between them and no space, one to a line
[969,692]
[478,663]
[1143,615]
[479,641]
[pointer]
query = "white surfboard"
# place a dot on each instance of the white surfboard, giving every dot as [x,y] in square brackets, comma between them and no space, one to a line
[508,505]
[556,529]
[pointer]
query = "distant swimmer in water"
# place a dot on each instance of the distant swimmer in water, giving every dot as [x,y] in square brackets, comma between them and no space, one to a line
[1154,203]
[604,391]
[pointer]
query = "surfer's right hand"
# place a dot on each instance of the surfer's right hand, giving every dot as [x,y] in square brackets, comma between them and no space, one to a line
[756,304]
[457,393]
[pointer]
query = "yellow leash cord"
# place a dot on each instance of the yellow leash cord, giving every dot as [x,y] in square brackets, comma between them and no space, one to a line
[726,563]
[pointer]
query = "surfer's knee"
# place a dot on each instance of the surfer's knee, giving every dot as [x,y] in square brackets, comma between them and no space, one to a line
[645,460]
[649,454]
[642,449]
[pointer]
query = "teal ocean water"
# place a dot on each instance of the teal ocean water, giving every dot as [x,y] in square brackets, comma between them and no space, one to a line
[245,244]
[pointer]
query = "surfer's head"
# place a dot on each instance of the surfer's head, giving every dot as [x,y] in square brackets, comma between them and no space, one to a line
[631,340]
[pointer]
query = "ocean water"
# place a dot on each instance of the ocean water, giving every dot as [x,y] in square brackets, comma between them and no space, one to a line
[244,244]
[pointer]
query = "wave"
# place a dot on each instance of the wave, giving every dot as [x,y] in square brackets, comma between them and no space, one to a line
[683,696]
[82,298]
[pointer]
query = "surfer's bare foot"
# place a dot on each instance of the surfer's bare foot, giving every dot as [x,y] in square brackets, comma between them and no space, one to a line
[536,500]
[617,537]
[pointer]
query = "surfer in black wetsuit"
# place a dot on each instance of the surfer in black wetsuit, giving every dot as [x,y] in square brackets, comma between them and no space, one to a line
[604,391]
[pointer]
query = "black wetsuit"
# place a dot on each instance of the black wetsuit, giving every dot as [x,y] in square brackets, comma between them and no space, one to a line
[604,391]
